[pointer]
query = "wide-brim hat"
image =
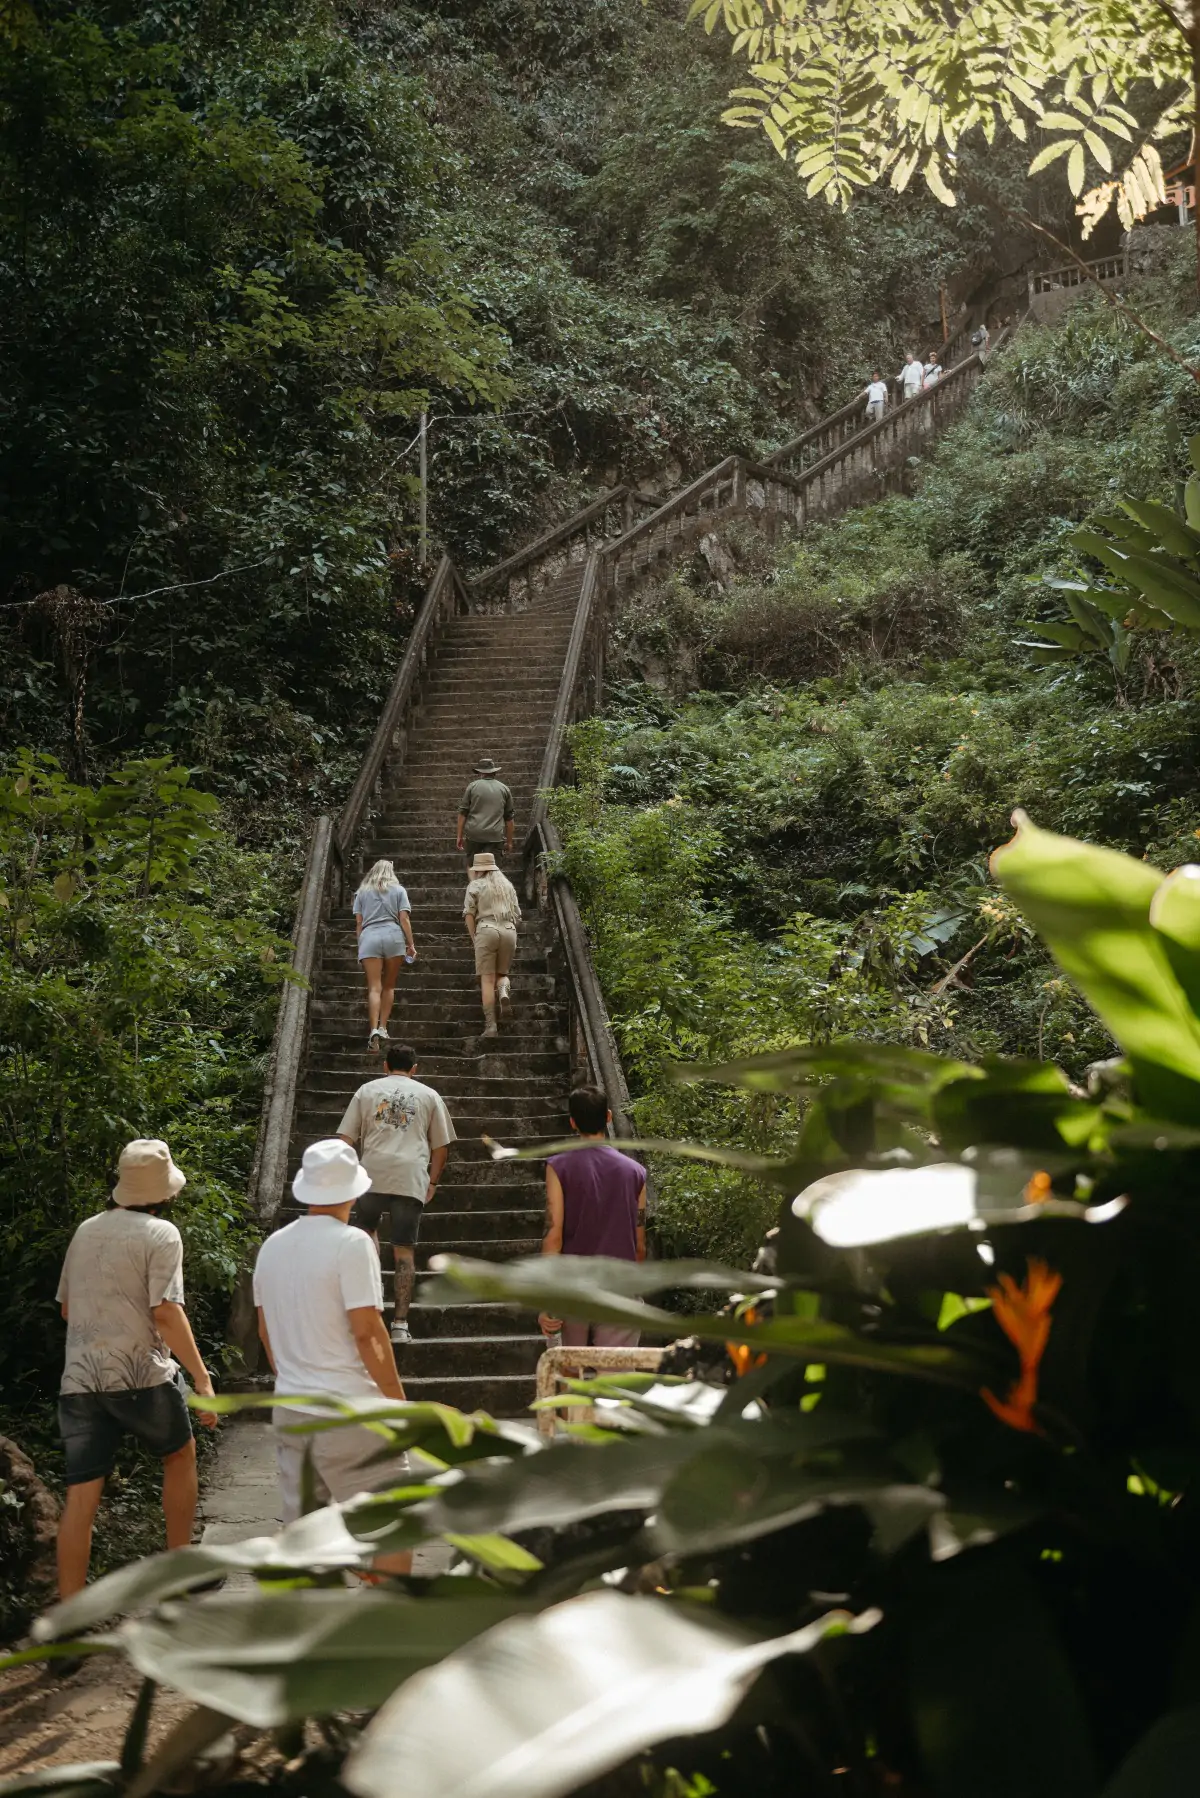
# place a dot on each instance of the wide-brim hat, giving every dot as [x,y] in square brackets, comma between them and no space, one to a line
[146,1175]
[484,863]
[487,766]
[330,1174]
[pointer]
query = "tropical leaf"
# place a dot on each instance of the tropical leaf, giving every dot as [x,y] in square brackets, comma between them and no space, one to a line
[271,1659]
[558,1699]
[1092,908]
[539,1284]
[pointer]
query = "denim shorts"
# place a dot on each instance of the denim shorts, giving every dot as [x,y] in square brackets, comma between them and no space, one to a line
[92,1425]
[383,940]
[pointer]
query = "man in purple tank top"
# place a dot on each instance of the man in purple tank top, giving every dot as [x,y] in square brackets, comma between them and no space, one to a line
[595,1205]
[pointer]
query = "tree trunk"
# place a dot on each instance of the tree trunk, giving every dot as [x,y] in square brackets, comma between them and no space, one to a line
[1194,45]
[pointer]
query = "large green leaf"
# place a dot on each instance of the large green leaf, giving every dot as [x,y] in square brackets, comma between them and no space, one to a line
[1164,526]
[785,1070]
[550,1283]
[1092,907]
[270,1659]
[574,1480]
[725,1496]
[1175,916]
[1166,1762]
[320,1541]
[996,1710]
[555,1700]
[1026,1103]
[83,1779]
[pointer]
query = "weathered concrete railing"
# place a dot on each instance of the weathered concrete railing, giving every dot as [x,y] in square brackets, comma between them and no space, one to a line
[291,1029]
[514,583]
[445,597]
[1071,275]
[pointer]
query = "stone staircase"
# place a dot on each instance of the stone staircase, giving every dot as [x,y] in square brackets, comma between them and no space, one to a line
[489,689]
[502,666]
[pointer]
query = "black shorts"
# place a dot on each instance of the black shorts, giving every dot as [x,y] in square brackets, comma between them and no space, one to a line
[405,1214]
[92,1425]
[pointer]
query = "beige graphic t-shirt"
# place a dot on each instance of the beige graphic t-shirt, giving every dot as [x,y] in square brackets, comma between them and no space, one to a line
[119,1265]
[396,1123]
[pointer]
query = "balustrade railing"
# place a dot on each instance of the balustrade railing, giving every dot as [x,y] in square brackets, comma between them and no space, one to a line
[1073,274]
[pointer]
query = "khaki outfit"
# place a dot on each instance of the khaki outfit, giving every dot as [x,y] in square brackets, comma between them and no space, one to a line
[495,936]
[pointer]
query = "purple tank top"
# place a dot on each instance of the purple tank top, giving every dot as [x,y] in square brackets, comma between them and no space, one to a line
[600,1201]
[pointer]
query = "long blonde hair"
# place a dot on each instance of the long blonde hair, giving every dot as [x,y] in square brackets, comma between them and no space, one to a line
[499,895]
[381,878]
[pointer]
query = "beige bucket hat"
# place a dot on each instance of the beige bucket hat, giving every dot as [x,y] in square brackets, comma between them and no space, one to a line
[484,863]
[146,1175]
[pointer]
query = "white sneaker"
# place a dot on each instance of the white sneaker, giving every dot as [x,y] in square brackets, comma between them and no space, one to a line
[400,1331]
[376,1038]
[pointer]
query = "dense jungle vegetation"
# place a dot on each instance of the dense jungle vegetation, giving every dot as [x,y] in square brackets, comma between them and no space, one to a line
[241,246]
[783,820]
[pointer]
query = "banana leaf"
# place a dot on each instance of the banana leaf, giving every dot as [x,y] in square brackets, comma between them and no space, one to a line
[1160,522]
[1091,906]
[271,1659]
[547,1283]
[559,1699]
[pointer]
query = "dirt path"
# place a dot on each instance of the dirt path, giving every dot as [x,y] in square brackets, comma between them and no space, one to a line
[46,1721]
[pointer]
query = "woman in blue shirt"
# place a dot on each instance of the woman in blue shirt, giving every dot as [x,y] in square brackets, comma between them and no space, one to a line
[381,917]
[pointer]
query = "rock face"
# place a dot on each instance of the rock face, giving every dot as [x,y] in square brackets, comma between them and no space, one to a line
[28,1523]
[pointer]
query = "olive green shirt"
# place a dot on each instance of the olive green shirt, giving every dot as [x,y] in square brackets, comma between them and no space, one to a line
[486,805]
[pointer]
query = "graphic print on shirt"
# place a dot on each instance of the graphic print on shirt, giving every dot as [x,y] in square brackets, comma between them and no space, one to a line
[395,1110]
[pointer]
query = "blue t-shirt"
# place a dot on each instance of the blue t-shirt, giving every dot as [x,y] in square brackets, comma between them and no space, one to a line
[374,907]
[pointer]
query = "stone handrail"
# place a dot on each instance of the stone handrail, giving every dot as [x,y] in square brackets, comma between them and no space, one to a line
[291,1028]
[1072,274]
[445,597]
[518,578]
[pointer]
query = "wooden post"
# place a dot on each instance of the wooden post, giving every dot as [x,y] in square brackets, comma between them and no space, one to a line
[945,321]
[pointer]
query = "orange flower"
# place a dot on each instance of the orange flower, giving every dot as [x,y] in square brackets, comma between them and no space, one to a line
[1037,1188]
[1023,1313]
[740,1353]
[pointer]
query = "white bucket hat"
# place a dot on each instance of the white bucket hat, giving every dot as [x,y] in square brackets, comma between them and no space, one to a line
[330,1173]
[146,1175]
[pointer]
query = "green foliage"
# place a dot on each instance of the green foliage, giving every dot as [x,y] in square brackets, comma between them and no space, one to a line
[136,977]
[979,1429]
[862,91]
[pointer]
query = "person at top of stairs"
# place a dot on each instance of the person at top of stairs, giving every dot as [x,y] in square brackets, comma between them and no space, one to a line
[403,1132]
[491,910]
[485,812]
[382,918]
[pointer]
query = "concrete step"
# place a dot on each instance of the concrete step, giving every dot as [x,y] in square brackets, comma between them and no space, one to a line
[349,1066]
[500,1395]
[479,1248]
[454,1088]
[433,1323]
[436,1358]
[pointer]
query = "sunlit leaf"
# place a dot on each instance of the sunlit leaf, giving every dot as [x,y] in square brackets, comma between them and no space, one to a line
[558,1699]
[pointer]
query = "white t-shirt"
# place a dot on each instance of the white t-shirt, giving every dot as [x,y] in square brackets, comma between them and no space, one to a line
[119,1266]
[913,377]
[877,393]
[307,1277]
[396,1122]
